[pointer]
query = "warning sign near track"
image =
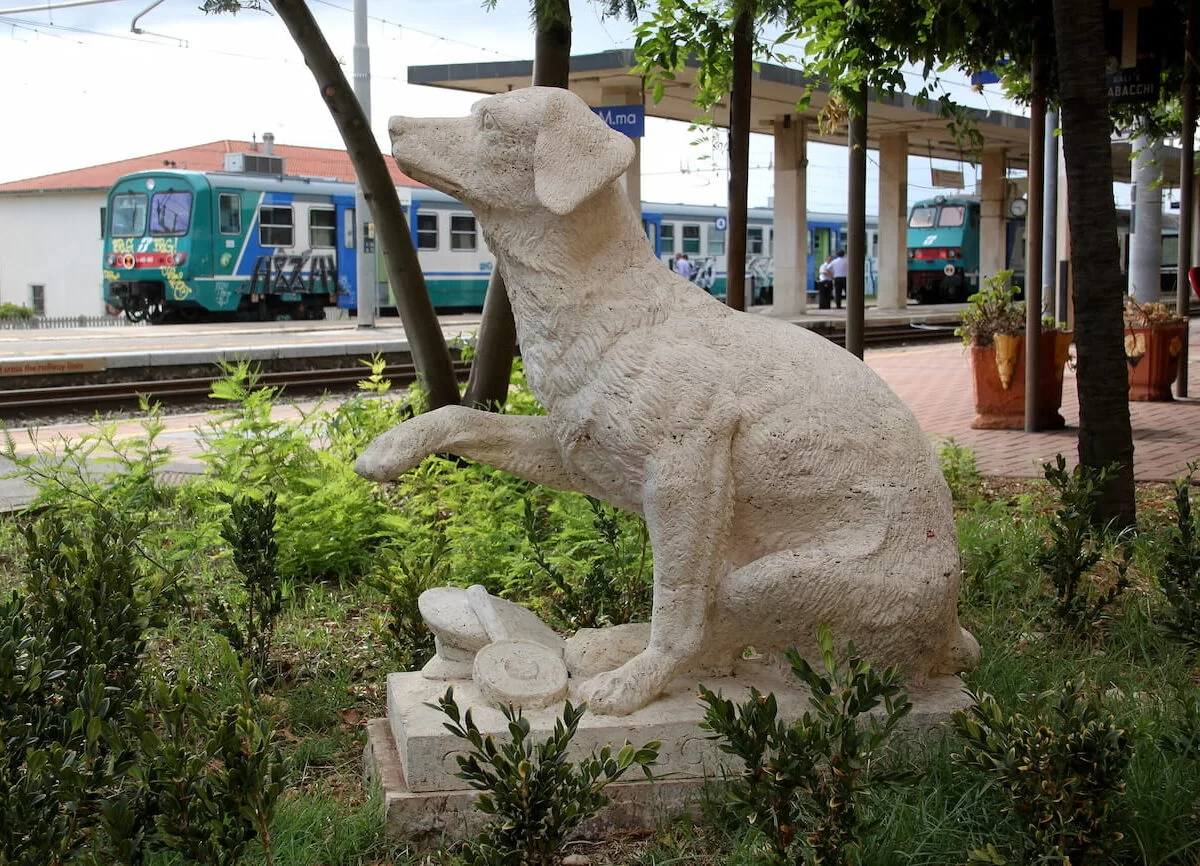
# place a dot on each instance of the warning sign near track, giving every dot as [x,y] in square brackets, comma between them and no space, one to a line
[51,368]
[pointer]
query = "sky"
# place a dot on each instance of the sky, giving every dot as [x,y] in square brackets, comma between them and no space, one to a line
[82,89]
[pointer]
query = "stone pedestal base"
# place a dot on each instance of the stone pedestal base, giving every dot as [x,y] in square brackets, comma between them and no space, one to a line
[412,754]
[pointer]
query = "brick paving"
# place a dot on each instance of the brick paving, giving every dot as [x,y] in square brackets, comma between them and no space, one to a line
[935,382]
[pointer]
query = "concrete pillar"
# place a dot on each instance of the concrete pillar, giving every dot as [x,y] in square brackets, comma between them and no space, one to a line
[1145,222]
[893,222]
[791,217]
[1050,206]
[991,215]
[632,179]
[1064,307]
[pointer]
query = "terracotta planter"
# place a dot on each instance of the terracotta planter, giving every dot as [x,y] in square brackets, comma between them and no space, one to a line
[1152,354]
[999,379]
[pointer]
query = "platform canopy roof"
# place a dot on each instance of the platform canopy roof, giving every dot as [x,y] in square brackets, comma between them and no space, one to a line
[776,91]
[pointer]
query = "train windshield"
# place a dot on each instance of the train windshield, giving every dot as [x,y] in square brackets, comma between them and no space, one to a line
[128,218]
[923,217]
[952,215]
[170,213]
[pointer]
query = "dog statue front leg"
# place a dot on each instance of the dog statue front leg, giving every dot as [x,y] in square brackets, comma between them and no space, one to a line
[688,506]
[521,444]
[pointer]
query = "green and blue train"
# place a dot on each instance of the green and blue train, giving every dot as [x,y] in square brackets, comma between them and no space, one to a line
[186,246]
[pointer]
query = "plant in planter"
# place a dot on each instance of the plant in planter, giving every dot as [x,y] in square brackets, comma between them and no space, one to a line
[1154,338]
[993,326]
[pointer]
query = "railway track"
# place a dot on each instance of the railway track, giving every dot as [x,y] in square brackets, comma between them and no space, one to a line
[84,398]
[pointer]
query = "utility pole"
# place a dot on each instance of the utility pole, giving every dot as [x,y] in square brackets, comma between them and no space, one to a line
[368,294]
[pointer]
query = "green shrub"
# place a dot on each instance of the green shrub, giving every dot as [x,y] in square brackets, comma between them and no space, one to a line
[402,579]
[250,533]
[805,781]
[599,575]
[1063,763]
[535,794]
[961,472]
[1179,577]
[10,310]
[1076,547]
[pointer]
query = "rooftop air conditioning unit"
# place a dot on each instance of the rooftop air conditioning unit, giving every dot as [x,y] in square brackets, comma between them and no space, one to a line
[253,163]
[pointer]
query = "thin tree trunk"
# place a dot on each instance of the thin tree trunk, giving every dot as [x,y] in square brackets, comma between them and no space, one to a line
[739,159]
[1105,432]
[430,354]
[487,386]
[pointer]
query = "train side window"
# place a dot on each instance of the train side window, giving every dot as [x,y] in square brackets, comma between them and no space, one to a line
[754,241]
[771,236]
[691,239]
[427,231]
[348,228]
[322,227]
[462,233]
[275,226]
[229,213]
[103,220]
[716,241]
[128,216]
[668,239]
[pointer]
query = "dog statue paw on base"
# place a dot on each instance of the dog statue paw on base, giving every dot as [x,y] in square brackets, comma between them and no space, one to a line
[783,484]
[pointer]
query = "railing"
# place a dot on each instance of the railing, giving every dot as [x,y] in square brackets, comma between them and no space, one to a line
[41,322]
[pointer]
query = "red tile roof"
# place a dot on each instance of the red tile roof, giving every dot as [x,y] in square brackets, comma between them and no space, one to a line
[299,161]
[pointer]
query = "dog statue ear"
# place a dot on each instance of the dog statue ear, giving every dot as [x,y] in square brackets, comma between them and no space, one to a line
[576,155]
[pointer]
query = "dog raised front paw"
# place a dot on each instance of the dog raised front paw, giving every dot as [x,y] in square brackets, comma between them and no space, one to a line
[392,453]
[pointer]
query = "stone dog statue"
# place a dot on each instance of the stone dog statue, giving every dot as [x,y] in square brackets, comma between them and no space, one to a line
[783,484]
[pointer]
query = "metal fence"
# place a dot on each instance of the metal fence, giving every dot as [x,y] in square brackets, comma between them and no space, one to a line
[38,322]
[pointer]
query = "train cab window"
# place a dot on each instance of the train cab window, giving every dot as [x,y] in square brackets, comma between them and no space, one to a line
[462,233]
[322,228]
[275,226]
[668,239]
[922,217]
[128,216]
[691,239]
[754,241]
[427,231]
[716,241]
[170,212]
[1170,251]
[952,215]
[229,213]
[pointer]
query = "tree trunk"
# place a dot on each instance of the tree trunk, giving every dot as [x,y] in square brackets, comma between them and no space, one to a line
[487,386]
[1105,432]
[428,346]
[739,159]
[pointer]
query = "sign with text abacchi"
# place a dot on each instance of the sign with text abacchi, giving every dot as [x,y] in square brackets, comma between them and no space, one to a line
[1133,36]
[627,119]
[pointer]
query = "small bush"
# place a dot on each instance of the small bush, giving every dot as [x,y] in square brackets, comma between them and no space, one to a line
[1076,547]
[961,472]
[1063,763]
[805,781]
[1179,578]
[535,794]
[10,310]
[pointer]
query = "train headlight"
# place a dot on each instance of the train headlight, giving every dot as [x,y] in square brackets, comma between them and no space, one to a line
[179,259]
[955,254]
[912,254]
[111,260]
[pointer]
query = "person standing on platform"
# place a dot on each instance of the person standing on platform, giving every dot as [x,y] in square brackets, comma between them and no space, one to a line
[840,270]
[683,267]
[825,283]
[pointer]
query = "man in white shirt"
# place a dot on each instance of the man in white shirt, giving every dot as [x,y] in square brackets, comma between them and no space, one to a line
[825,283]
[682,266]
[840,269]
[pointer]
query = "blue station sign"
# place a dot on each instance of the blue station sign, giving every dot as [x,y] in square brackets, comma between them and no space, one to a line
[627,119]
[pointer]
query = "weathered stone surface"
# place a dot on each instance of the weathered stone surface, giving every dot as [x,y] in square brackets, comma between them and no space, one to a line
[412,753]
[592,651]
[426,749]
[520,672]
[783,484]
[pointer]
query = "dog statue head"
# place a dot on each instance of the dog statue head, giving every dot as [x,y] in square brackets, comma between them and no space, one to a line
[539,147]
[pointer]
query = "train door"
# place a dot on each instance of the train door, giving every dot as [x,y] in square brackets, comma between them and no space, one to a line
[347,252]
[652,223]
[823,241]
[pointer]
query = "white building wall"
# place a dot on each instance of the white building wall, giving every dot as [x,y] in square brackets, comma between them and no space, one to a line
[52,240]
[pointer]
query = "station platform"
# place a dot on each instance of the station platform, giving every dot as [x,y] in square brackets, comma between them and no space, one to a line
[934,380]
